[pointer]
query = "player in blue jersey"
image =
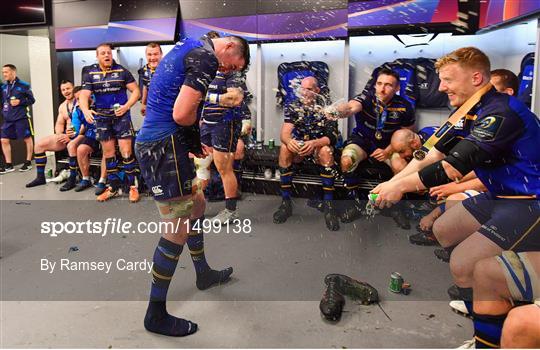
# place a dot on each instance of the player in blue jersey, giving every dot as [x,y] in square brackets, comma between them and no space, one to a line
[109,82]
[501,148]
[169,133]
[153,54]
[378,114]
[221,125]
[87,146]
[504,82]
[17,98]
[307,133]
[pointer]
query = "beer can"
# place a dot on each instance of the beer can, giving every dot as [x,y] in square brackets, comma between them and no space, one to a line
[301,143]
[271,144]
[49,173]
[372,197]
[116,106]
[396,282]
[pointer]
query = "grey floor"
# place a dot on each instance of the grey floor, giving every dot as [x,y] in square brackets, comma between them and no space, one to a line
[272,301]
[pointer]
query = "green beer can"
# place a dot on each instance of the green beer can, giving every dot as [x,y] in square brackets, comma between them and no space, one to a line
[396,282]
[271,144]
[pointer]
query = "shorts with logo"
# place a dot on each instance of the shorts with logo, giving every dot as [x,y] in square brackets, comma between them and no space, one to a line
[113,127]
[513,224]
[166,167]
[222,136]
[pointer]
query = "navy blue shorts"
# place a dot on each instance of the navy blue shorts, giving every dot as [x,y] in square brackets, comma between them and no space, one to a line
[513,224]
[166,167]
[93,143]
[369,146]
[222,136]
[17,129]
[113,128]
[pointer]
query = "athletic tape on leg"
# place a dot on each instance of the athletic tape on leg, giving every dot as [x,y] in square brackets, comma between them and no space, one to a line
[351,152]
[175,209]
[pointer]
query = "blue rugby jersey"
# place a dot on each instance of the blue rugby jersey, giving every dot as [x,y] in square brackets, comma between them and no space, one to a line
[20,90]
[309,123]
[506,129]
[145,75]
[213,112]
[108,87]
[191,62]
[399,113]
[78,120]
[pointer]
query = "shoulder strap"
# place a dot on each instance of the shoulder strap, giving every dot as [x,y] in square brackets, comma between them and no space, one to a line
[451,122]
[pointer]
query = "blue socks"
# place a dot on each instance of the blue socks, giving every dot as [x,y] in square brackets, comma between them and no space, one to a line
[112,173]
[130,169]
[488,330]
[157,318]
[73,168]
[286,175]
[41,162]
[195,243]
[206,277]
[327,179]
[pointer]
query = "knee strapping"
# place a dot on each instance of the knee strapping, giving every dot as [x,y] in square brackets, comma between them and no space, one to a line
[175,209]
[202,166]
[520,277]
[353,154]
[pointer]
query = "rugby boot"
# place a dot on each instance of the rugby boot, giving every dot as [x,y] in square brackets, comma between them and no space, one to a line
[352,288]
[456,293]
[352,213]
[398,214]
[332,222]
[316,204]
[332,302]
[107,194]
[284,211]
[423,238]
[443,254]
[458,306]
[134,195]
